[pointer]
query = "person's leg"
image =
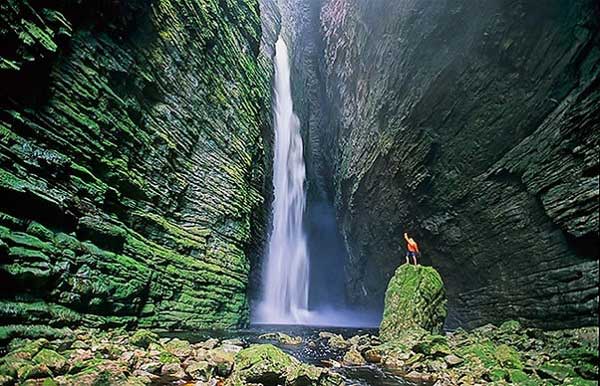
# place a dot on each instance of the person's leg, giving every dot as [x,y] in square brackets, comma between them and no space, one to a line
[407,261]
[415,258]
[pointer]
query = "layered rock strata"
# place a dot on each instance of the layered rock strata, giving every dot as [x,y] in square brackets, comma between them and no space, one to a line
[132,162]
[475,128]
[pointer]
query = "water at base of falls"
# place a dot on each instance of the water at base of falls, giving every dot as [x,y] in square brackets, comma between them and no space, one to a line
[286,277]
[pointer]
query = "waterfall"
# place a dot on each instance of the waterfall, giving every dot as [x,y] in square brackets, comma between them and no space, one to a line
[286,275]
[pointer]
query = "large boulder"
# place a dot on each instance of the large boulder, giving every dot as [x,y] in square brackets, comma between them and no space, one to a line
[415,297]
[268,365]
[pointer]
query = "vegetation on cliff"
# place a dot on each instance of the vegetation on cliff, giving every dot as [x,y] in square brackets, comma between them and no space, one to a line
[131,163]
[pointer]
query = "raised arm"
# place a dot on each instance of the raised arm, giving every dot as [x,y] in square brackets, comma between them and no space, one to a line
[406,237]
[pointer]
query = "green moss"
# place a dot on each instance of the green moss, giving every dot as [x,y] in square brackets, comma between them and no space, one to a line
[142,338]
[508,357]
[483,351]
[179,348]
[51,359]
[436,345]
[49,382]
[510,327]
[415,297]
[39,312]
[577,381]
[166,357]
[141,190]
[556,370]
[40,231]
[498,374]
[518,377]
[8,332]
[32,33]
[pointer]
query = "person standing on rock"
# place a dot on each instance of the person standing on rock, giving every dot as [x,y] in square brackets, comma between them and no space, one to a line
[412,249]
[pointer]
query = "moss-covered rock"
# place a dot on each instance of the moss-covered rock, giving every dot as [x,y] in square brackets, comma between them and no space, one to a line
[282,338]
[415,298]
[143,338]
[51,359]
[262,364]
[179,348]
[200,370]
[268,365]
[222,361]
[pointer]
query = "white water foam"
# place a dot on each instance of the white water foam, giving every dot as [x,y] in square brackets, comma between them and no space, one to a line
[286,275]
[286,280]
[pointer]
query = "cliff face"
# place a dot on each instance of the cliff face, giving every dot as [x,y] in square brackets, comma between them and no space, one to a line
[132,162]
[474,128]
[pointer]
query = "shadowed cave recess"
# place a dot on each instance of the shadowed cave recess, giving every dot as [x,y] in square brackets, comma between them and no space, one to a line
[136,157]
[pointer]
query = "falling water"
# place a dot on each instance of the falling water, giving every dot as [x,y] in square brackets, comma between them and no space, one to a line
[286,276]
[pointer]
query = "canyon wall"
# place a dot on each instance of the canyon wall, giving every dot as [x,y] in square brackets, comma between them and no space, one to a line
[474,127]
[132,162]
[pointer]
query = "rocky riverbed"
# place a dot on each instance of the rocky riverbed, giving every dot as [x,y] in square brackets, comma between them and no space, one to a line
[508,354]
[410,348]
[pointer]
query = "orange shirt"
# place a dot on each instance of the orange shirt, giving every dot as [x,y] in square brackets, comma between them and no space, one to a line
[412,246]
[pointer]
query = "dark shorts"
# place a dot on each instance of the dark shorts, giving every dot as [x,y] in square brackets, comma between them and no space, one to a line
[411,254]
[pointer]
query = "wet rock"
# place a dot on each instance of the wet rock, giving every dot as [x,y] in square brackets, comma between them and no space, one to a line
[373,355]
[305,375]
[27,350]
[151,367]
[231,348]
[556,371]
[208,344]
[453,360]
[29,371]
[200,354]
[436,366]
[420,377]
[143,338]
[234,342]
[508,357]
[433,345]
[415,298]
[166,357]
[180,348]
[510,327]
[222,361]
[51,359]
[79,344]
[261,364]
[335,341]
[282,338]
[353,357]
[201,371]
[146,377]
[172,372]
[138,380]
[266,364]
[486,202]
[99,371]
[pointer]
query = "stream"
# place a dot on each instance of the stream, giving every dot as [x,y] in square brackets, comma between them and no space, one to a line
[312,350]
